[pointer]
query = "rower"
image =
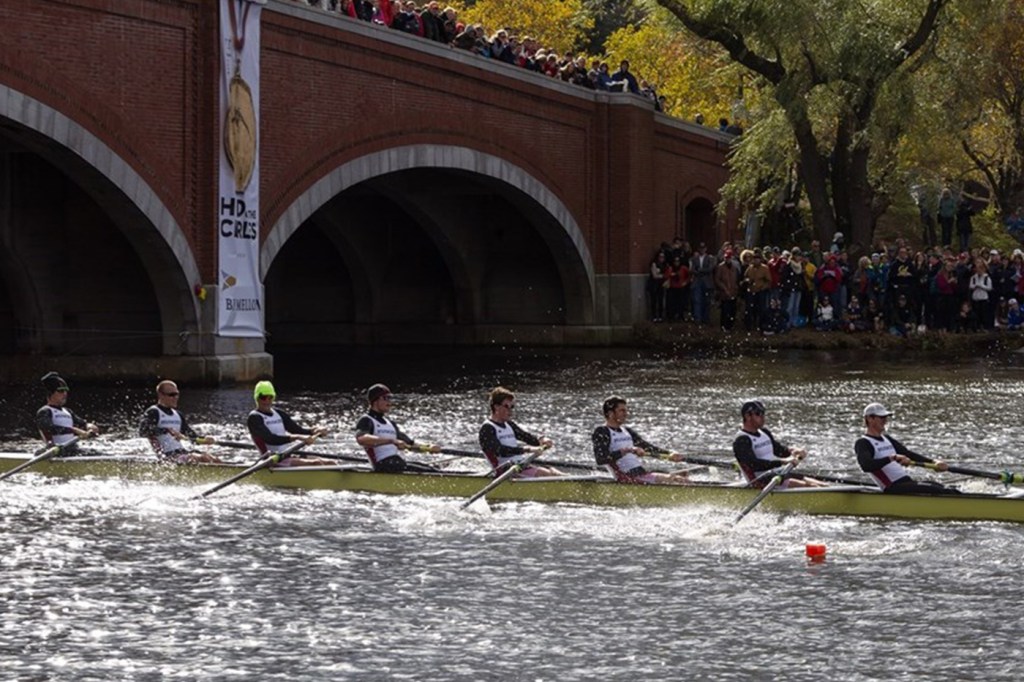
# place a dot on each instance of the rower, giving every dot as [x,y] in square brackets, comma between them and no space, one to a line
[383,440]
[758,452]
[886,459]
[500,438]
[57,424]
[166,428]
[620,448]
[272,430]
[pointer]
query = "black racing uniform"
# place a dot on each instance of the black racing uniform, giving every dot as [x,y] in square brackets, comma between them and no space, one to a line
[866,459]
[495,451]
[44,420]
[753,466]
[263,437]
[602,440]
[392,463]
[149,427]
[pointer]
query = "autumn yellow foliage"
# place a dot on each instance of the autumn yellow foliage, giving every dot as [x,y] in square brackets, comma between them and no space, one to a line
[694,76]
[558,24]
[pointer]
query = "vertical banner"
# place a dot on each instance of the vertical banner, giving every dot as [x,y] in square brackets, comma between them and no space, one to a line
[240,303]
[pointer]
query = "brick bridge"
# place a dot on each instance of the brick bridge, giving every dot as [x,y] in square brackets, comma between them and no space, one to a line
[409,193]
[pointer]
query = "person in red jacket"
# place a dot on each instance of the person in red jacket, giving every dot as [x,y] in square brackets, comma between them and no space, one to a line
[829,278]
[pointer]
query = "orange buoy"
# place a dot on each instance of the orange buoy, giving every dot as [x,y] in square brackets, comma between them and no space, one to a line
[815,551]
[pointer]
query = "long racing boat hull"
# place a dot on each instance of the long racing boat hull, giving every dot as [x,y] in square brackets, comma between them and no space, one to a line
[586,490]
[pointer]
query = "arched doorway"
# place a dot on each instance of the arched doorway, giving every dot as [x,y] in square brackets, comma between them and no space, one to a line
[700,223]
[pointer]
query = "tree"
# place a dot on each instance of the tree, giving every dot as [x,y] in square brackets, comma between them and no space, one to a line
[694,77]
[609,17]
[828,65]
[559,24]
[991,132]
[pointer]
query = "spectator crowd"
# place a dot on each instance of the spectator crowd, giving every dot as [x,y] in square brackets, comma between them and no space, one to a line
[894,290]
[442,25]
[772,290]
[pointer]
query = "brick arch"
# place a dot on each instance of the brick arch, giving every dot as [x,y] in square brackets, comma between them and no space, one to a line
[698,211]
[423,156]
[83,156]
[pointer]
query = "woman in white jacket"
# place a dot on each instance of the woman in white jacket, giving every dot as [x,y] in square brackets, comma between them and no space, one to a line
[981,295]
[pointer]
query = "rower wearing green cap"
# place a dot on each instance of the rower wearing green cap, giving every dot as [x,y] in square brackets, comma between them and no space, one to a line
[273,430]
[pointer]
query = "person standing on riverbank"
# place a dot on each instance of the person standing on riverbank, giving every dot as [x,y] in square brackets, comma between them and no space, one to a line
[620,448]
[57,424]
[702,271]
[885,459]
[165,428]
[727,288]
[757,280]
[382,439]
[656,286]
[500,438]
[947,215]
[273,430]
[757,451]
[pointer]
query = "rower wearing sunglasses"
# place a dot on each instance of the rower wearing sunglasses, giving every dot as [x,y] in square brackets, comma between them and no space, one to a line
[273,430]
[758,452]
[166,428]
[886,459]
[383,440]
[57,424]
[501,438]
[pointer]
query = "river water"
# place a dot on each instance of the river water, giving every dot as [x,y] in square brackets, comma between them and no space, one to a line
[104,580]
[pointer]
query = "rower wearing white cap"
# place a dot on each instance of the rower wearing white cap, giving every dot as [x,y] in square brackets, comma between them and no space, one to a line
[273,430]
[381,437]
[886,459]
[57,424]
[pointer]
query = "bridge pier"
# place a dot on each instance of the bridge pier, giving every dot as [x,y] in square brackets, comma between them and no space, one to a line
[409,194]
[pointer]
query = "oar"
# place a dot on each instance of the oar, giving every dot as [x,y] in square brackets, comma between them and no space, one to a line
[458,453]
[238,445]
[694,459]
[549,462]
[837,479]
[268,461]
[44,455]
[1007,477]
[364,460]
[510,472]
[761,476]
[734,466]
[772,484]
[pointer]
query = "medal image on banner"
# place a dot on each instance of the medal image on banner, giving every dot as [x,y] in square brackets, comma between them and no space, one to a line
[240,132]
[240,304]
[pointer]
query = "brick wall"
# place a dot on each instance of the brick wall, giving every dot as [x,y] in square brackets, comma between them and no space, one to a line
[142,76]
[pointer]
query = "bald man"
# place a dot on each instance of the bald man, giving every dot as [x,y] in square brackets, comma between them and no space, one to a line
[166,428]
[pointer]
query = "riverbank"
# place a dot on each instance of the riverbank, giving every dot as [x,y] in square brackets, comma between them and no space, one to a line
[687,335]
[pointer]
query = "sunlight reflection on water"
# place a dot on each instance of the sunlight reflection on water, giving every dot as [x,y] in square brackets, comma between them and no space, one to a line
[107,580]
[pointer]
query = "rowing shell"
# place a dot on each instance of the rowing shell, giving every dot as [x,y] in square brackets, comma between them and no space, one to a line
[589,490]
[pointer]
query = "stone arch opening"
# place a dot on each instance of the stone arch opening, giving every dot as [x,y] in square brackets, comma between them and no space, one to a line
[451,249]
[93,261]
[700,223]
